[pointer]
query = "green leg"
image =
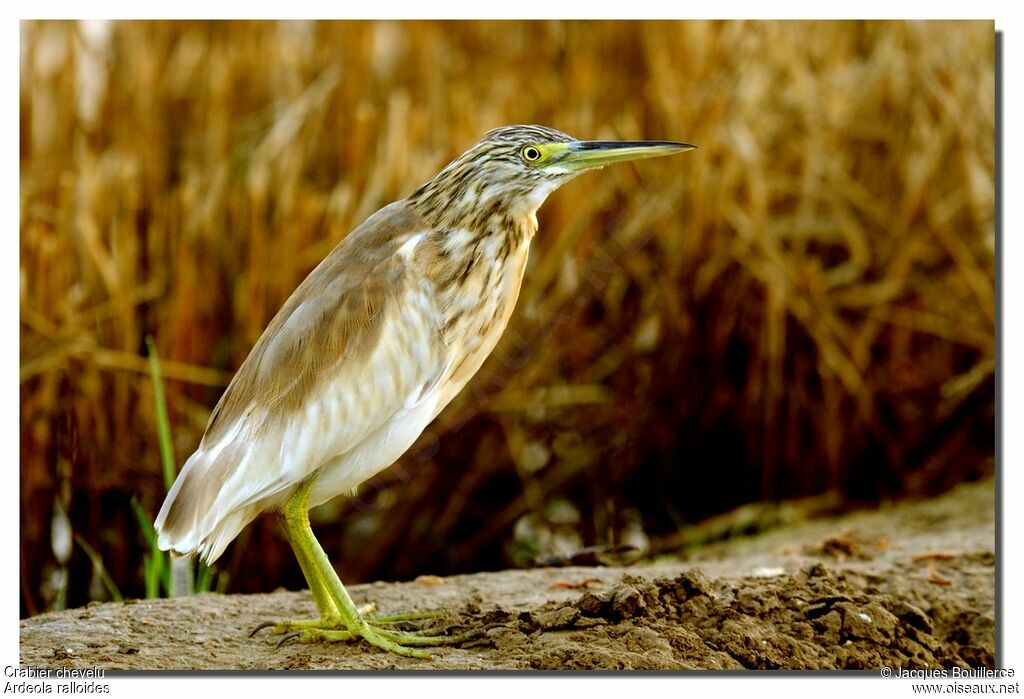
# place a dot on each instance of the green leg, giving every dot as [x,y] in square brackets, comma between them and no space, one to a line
[324,604]
[340,619]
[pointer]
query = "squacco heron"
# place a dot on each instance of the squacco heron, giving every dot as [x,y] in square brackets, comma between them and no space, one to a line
[374,343]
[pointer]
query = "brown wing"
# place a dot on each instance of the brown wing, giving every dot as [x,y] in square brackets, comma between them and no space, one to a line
[334,317]
[348,350]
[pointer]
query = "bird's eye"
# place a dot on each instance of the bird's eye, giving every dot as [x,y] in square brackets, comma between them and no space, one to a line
[531,154]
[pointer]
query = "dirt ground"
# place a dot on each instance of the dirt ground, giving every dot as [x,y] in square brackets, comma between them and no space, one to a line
[912,585]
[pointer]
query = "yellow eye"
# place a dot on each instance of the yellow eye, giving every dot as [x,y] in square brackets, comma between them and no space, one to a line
[531,154]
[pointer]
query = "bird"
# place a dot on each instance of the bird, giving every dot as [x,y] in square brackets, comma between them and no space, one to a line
[366,352]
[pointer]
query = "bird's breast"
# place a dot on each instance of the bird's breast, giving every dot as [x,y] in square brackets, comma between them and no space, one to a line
[477,308]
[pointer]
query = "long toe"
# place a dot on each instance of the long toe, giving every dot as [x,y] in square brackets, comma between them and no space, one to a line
[428,639]
[408,616]
[368,634]
[297,625]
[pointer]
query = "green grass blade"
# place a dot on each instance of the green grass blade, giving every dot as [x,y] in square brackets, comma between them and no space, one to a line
[163,424]
[60,604]
[204,578]
[156,572]
[151,573]
[101,570]
[148,532]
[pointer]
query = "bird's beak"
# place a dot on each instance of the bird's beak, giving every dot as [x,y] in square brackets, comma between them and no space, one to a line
[584,155]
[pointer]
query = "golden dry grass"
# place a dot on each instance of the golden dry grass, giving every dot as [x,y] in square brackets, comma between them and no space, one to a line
[805,304]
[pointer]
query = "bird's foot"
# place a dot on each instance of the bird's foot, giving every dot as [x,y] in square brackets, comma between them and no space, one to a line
[401,642]
[379,631]
[335,623]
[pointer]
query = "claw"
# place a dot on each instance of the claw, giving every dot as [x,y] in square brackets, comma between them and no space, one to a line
[289,637]
[264,625]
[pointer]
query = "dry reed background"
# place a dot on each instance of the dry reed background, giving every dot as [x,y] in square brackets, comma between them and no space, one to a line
[804,305]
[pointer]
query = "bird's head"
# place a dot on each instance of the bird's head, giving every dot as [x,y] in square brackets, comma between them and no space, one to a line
[509,173]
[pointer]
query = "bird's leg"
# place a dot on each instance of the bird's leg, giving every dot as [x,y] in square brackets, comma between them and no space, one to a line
[294,514]
[324,604]
[340,619]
